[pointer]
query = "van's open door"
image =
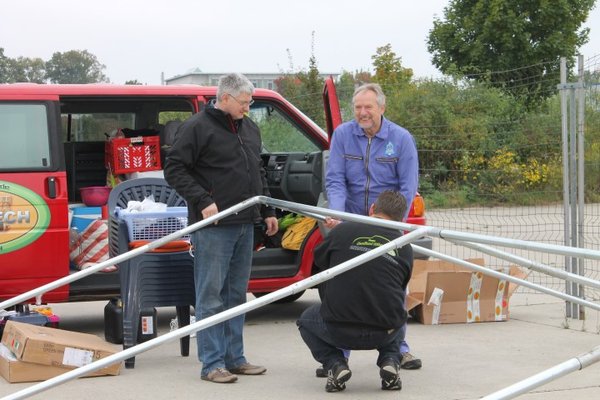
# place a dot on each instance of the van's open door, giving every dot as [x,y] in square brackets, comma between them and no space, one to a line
[332,107]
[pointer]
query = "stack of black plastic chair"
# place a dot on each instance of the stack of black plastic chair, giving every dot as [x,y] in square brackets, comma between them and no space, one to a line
[151,279]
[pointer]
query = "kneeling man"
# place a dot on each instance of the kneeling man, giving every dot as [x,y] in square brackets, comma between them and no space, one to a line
[361,309]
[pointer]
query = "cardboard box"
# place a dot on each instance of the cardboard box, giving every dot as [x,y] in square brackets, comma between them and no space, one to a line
[57,347]
[444,293]
[15,371]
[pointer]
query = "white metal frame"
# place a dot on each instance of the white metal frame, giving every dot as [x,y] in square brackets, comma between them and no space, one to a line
[477,241]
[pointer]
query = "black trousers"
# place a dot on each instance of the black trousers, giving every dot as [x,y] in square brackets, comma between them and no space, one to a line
[325,340]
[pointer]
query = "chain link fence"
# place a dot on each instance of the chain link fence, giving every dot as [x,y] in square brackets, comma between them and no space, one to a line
[494,175]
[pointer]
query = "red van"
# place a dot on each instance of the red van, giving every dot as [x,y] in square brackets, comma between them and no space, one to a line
[53,143]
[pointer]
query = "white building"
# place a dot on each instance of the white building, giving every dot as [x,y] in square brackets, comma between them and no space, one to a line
[264,80]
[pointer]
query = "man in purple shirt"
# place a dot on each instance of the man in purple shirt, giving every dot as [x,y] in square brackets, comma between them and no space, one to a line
[369,155]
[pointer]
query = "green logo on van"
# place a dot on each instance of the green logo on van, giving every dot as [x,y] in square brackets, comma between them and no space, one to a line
[24,216]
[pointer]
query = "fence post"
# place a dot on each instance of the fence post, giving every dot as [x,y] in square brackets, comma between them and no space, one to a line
[581,177]
[573,114]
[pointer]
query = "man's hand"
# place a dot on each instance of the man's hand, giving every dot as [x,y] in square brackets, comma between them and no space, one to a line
[210,211]
[272,226]
[331,222]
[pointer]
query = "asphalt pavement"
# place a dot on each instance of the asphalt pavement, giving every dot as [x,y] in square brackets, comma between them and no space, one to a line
[460,361]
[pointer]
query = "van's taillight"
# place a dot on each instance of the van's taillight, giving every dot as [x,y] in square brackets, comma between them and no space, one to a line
[418,207]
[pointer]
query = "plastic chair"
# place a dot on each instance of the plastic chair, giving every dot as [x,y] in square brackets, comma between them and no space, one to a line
[151,279]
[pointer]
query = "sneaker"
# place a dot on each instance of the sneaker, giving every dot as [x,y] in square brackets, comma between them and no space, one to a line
[321,372]
[219,375]
[248,369]
[390,375]
[410,362]
[337,377]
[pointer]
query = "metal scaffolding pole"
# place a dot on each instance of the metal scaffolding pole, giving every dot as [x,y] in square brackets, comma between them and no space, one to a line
[215,319]
[549,375]
[416,231]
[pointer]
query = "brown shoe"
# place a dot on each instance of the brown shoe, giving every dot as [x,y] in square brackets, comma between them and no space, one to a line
[219,375]
[248,369]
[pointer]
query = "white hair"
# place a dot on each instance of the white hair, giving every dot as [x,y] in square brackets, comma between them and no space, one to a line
[234,84]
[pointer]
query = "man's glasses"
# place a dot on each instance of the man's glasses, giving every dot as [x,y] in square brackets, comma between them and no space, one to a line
[242,103]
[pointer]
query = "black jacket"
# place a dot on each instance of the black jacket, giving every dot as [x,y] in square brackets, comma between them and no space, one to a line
[216,159]
[371,294]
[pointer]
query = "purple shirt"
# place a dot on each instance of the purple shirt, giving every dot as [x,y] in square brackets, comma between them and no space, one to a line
[360,168]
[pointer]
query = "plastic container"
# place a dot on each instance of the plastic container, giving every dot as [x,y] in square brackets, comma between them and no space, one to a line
[113,321]
[136,154]
[154,225]
[83,216]
[95,196]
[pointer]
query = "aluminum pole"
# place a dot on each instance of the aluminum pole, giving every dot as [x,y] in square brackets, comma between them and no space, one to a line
[580,178]
[573,309]
[534,265]
[549,375]
[436,232]
[215,319]
[39,291]
[315,212]
[565,164]
[506,277]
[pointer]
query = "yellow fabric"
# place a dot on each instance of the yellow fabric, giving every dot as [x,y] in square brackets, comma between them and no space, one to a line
[294,235]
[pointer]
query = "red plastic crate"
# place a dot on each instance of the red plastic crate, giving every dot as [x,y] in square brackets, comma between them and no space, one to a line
[136,154]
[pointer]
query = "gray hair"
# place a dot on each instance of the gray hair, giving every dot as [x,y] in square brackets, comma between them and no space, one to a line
[234,84]
[373,87]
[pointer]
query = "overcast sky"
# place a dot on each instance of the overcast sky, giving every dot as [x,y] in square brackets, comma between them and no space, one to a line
[140,39]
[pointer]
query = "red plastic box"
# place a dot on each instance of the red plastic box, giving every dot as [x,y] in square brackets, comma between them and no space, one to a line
[136,154]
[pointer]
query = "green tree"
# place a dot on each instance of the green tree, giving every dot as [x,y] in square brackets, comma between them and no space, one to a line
[304,89]
[133,82]
[4,66]
[24,69]
[389,72]
[478,37]
[75,66]
[311,84]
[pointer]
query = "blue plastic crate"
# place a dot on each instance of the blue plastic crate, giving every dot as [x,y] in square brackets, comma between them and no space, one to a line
[154,225]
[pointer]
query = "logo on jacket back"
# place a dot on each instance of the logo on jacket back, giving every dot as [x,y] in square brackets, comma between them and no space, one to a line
[366,243]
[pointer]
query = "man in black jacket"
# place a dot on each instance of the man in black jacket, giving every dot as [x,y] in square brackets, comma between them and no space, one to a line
[214,164]
[363,308]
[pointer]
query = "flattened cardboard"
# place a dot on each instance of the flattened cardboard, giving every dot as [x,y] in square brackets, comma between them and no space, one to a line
[459,295]
[57,347]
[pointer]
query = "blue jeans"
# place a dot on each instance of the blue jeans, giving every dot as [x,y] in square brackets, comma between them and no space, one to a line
[222,262]
[325,340]
[404,345]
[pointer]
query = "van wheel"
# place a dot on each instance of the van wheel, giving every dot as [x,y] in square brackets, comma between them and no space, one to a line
[288,299]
